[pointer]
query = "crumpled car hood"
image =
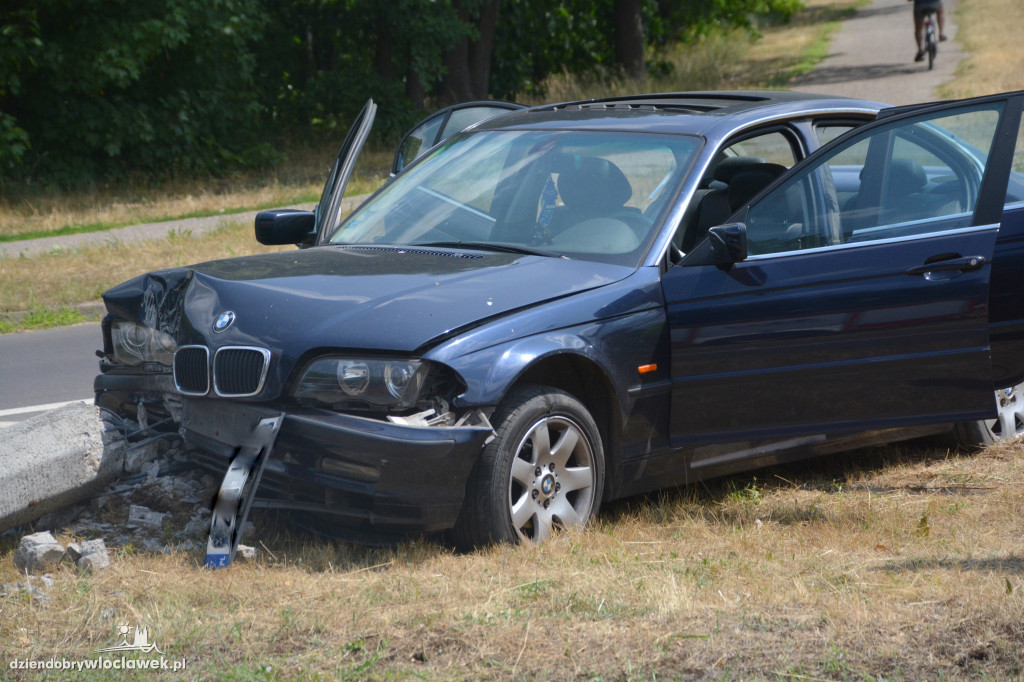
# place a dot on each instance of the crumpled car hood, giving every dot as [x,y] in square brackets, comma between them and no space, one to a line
[354,297]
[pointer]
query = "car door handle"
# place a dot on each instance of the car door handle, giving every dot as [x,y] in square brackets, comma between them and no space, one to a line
[964,264]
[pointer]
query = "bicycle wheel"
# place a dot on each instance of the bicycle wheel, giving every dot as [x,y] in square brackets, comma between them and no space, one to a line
[931,43]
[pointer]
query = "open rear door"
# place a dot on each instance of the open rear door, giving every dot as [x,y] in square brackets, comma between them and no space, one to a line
[860,305]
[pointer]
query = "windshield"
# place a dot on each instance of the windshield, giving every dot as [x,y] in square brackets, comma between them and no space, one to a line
[580,194]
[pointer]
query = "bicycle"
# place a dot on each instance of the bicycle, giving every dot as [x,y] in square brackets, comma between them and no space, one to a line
[931,41]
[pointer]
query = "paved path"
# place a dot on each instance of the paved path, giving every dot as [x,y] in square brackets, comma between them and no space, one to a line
[133,233]
[872,57]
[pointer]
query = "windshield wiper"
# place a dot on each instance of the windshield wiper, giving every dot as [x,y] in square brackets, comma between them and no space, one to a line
[490,246]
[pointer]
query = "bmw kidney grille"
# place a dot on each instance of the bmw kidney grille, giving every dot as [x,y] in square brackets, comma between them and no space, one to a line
[237,371]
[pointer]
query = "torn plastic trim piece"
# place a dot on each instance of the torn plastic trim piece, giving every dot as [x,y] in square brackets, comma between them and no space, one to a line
[234,500]
[252,431]
[431,418]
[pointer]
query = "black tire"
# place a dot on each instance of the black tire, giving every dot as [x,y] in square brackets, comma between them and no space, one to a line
[1008,423]
[932,51]
[521,488]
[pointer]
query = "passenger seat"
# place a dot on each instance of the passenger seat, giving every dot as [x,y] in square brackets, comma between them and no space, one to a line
[736,180]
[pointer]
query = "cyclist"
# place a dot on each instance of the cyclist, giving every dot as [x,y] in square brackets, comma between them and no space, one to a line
[921,9]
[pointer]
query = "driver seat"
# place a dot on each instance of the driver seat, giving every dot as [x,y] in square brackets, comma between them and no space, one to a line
[592,187]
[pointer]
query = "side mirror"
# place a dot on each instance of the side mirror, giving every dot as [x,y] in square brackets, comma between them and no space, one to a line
[285,226]
[729,243]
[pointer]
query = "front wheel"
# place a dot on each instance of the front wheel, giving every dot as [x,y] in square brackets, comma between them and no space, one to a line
[1009,421]
[543,471]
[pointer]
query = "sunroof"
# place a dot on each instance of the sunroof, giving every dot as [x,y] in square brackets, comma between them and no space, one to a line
[694,102]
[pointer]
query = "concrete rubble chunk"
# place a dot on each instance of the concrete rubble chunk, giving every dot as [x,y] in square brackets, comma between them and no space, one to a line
[151,469]
[94,556]
[145,517]
[38,552]
[246,552]
[53,460]
[25,590]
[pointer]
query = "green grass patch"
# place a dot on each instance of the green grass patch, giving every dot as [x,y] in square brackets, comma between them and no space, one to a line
[104,226]
[42,318]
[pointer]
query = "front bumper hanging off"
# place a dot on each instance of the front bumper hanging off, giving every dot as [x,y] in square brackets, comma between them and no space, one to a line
[252,431]
[367,475]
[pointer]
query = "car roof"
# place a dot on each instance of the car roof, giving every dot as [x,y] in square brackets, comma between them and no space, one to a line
[701,113]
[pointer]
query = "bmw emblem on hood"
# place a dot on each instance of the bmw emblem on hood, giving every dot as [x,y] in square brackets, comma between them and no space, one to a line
[226,319]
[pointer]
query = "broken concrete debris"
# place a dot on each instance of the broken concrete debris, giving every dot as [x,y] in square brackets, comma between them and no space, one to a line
[41,552]
[38,552]
[161,505]
[141,516]
[27,589]
[91,555]
[246,552]
[53,460]
[149,498]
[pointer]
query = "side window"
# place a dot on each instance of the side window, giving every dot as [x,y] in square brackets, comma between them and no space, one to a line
[913,177]
[773,147]
[737,174]
[827,132]
[463,118]
[419,140]
[1015,188]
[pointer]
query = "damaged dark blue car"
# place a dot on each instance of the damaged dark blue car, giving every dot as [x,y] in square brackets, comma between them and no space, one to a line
[578,302]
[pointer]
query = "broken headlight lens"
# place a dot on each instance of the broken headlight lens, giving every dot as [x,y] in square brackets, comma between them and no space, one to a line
[136,344]
[386,383]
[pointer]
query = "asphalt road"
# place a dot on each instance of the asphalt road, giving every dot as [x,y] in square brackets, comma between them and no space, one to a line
[41,368]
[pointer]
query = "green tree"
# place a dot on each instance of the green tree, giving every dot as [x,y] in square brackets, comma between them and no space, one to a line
[321,59]
[628,37]
[93,86]
[19,48]
[160,85]
[536,38]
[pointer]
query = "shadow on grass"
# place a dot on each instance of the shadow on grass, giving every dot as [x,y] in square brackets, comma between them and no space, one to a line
[1010,564]
[317,545]
[313,543]
[737,498]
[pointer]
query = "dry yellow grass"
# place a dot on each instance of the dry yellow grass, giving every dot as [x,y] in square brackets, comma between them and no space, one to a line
[889,564]
[119,208]
[300,180]
[990,33]
[732,61]
[64,279]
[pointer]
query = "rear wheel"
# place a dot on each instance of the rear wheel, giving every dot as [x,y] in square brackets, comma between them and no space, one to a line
[543,471]
[1009,421]
[931,46]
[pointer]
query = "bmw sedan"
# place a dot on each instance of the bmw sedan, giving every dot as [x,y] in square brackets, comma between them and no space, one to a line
[573,303]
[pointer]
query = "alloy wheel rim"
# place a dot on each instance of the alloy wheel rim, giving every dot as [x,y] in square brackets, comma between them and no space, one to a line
[1009,420]
[552,479]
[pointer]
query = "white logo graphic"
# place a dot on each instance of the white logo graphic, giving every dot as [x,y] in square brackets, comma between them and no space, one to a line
[225,320]
[140,641]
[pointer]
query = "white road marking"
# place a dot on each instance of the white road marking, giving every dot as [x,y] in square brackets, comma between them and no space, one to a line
[38,408]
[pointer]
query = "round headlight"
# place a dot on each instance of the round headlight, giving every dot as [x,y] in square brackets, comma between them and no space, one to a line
[134,344]
[398,376]
[353,377]
[135,339]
